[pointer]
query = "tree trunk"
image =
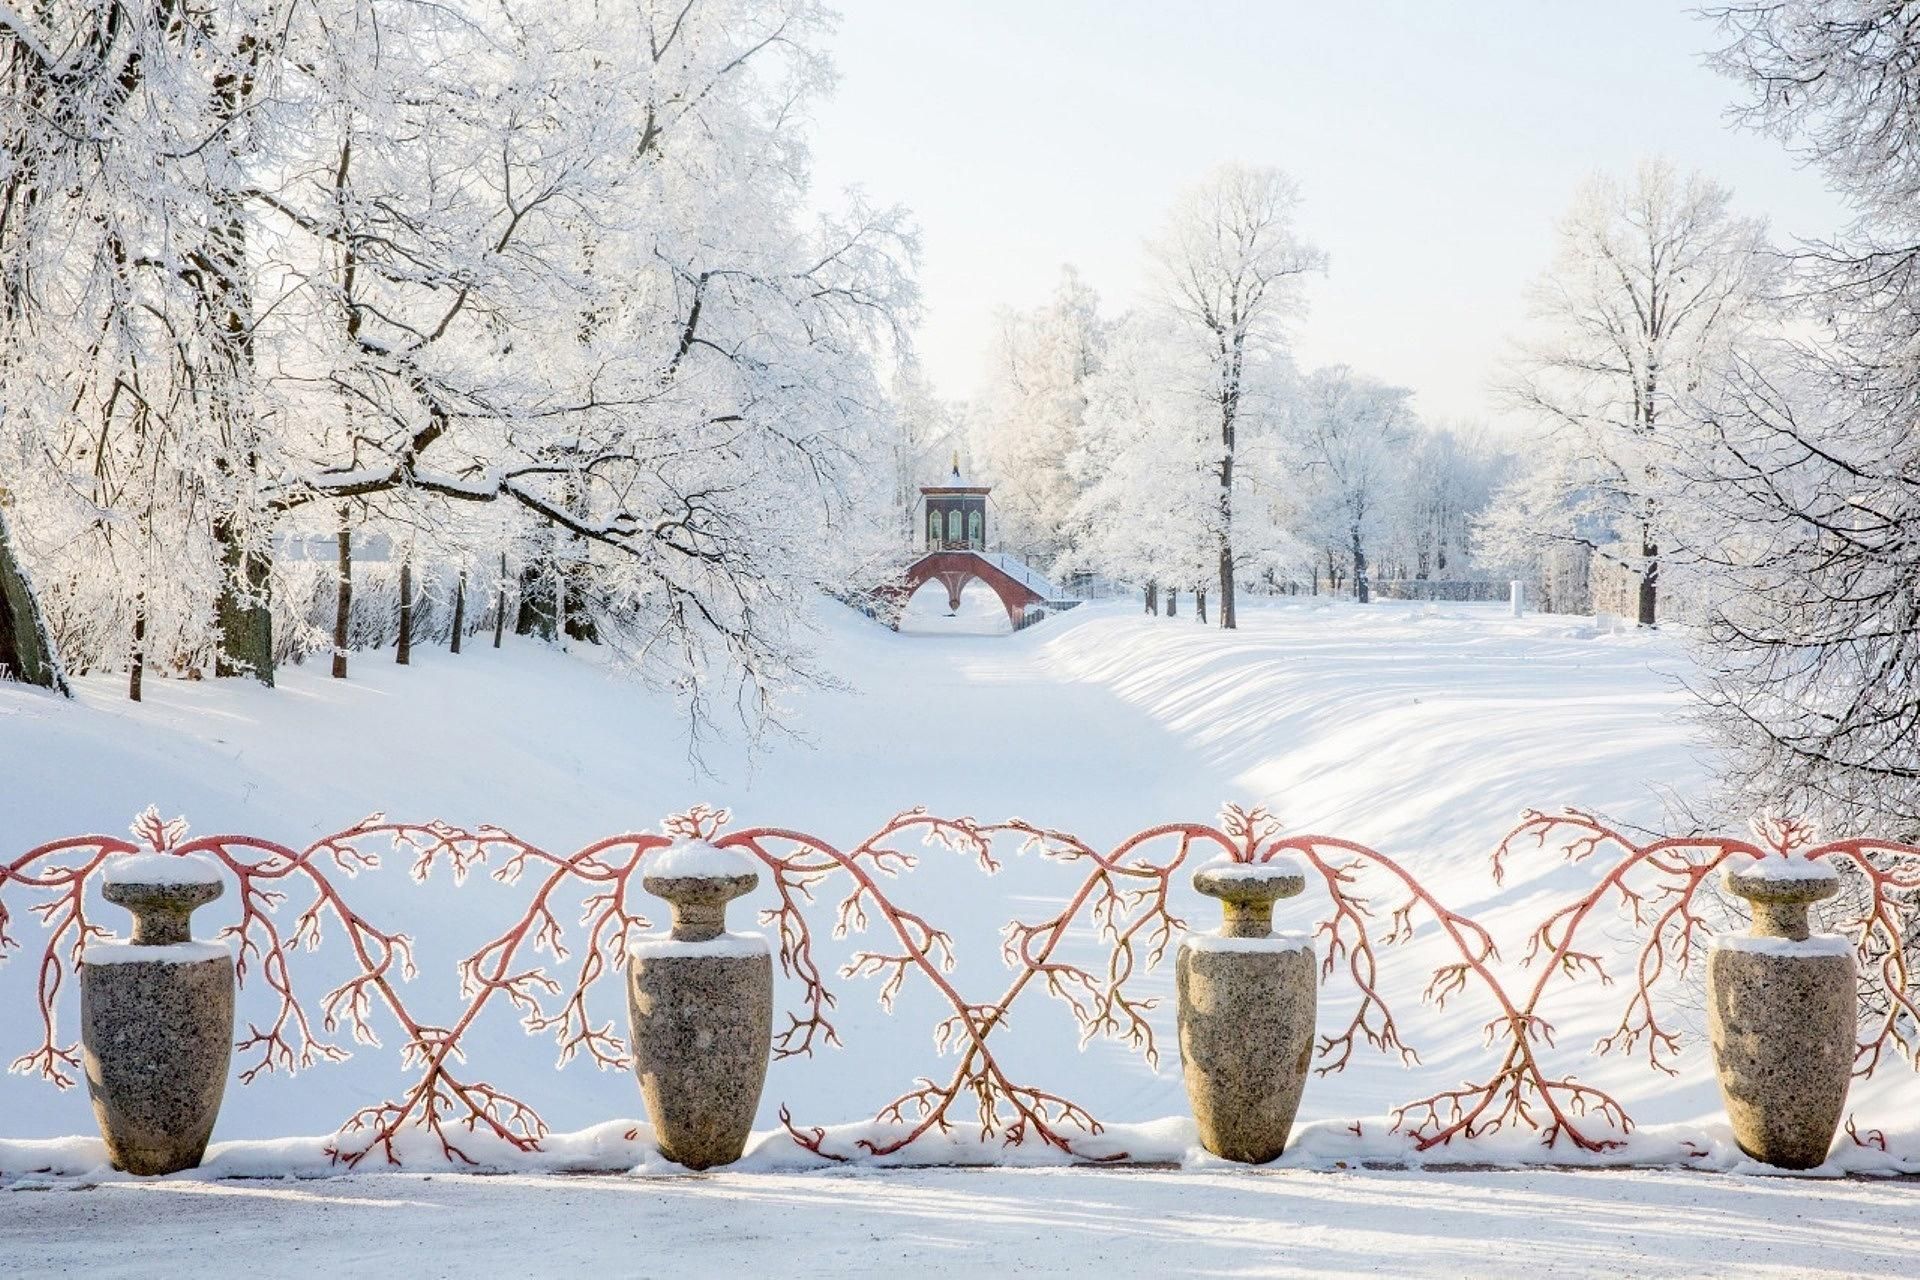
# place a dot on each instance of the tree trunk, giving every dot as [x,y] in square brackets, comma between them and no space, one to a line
[26,645]
[536,617]
[404,654]
[1649,579]
[1153,598]
[459,609]
[1200,603]
[500,609]
[578,584]
[137,660]
[1228,618]
[343,598]
[1359,566]
[1229,415]
[1173,602]
[244,610]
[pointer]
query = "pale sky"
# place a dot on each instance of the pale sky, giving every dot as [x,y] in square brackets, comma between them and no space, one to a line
[1435,144]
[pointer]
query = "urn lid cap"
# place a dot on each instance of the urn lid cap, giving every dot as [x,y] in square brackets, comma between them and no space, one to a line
[162,890]
[1782,880]
[696,871]
[161,881]
[1252,882]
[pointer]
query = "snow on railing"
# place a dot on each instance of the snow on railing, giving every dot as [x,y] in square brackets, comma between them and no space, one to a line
[294,900]
[1017,569]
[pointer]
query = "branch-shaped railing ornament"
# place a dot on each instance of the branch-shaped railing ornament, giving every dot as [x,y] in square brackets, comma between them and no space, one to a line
[1125,897]
[1088,953]
[443,1100]
[1656,885]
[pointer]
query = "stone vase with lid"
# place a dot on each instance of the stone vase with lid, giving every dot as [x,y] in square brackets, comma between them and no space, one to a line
[1781,1015]
[156,1017]
[701,1004]
[1247,998]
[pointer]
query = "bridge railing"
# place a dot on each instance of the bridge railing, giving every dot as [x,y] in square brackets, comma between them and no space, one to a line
[1086,954]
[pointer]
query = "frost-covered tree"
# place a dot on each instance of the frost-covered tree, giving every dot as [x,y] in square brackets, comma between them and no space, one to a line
[1030,415]
[1447,478]
[547,260]
[1811,469]
[1348,435]
[606,313]
[134,435]
[925,443]
[1144,465]
[1653,282]
[1231,266]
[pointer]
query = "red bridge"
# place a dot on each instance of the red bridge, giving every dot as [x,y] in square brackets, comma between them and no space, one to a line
[1018,587]
[956,529]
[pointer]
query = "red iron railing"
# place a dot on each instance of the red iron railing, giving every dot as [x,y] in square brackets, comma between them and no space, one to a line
[292,900]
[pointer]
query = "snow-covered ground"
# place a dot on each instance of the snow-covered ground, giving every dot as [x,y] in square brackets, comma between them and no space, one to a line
[1422,730]
[974,1222]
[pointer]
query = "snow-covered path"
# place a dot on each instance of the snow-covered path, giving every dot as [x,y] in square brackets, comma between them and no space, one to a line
[974,1222]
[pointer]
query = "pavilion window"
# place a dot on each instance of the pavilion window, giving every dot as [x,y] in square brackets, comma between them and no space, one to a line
[953,527]
[973,529]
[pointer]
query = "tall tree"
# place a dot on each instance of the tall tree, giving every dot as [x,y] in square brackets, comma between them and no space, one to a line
[1232,264]
[1811,470]
[1653,282]
[1144,466]
[1447,478]
[1031,414]
[1349,434]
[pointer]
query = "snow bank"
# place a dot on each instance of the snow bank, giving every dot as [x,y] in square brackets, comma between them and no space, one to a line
[1171,1143]
[612,1146]
[692,859]
[161,868]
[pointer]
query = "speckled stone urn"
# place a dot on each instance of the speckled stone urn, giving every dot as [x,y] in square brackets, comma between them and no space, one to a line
[701,1003]
[156,1022]
[1782,1017]
[1247,998]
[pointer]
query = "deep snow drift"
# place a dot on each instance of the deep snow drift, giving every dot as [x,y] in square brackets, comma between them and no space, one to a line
[1422,730]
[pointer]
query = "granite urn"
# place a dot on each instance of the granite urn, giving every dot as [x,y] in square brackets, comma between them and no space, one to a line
[701,1003]
[156,1017]
[1247,998]
[1782,1017]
